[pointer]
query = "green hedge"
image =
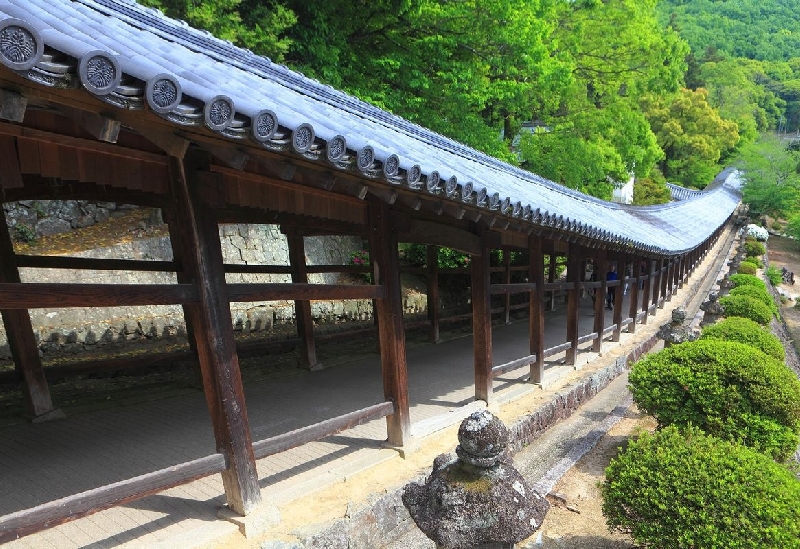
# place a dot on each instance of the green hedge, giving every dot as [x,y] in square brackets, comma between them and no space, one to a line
[746,307]
[753,248]
[747,268]
[756,292]
[748,332]
[747,280]
[728,389]
[674,490]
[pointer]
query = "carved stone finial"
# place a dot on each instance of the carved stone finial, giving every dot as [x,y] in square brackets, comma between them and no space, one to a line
[712,309]
[725,285]
[477,499]
[676,331]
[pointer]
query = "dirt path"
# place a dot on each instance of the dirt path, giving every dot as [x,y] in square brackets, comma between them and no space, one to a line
[575,519]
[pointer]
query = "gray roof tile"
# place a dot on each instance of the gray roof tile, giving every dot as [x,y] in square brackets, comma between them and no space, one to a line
[147,44]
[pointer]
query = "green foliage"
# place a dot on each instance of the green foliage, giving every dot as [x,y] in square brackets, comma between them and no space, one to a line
[24,233]
[617,53]
[683,489]
[254,24]
[793,226]
[747,307]
[728,389]
[649,191]
[774,275]
[758,293]
[747,280]
[747,268]
[767,29]
[447,258]
[361,259]
[771,181]
[692,134]
[754,248]
[748,332]
[755,262]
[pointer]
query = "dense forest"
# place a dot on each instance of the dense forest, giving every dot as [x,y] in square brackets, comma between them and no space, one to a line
[584,92]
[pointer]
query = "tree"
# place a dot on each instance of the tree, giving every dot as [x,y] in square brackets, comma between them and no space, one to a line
[618,52]
[735,88]
[692,135]
[771,178]
[649,191]
[254,24]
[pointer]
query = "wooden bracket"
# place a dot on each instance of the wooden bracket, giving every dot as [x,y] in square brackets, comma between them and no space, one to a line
[12,106]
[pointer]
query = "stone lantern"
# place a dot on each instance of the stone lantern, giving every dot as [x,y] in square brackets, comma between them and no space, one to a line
[712,309]
[676,331]
[476,499]
[725,285]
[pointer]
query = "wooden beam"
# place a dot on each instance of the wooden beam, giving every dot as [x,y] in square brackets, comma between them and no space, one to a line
[619,294]
[213,331]
[440,234]
[574,276]
[434,308]
[48,515]
[482,322]
[600,270]
[52,138]
[648,283]
[317,431]
[12,106]
[21,340]
[389,315]
[507,280]
[64,262]
[10,174]
[536,308]
[37,295]
[100,127]
[279,292]
[302,307]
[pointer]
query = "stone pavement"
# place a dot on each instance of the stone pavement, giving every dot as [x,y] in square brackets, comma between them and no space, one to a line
[43,462]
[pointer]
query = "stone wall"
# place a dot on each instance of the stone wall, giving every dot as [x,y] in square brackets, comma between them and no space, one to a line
[76,330]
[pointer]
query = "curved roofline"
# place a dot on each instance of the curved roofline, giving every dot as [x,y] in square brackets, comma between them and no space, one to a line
[134,57]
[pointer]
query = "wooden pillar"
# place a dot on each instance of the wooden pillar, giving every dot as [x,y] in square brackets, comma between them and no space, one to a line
[482,321]
[574,277]
[536,307]
[666,289]
[659,263]
[389,313]
[507,280]
[434,310]
[683,270]
[213,329]
[551,277]
[21,340]
[648,283]
[600,272]
[181,253]
[633,305]
[616,315]
[302,308]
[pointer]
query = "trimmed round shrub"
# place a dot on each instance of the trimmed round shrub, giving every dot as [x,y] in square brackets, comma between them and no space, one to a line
[758,293]
[683,489]
[727,389]
[747,268]
[746,307]
[753,248]
[747,280]
[748,332]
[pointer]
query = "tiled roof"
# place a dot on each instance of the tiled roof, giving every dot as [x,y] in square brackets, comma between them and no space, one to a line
[134,57]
